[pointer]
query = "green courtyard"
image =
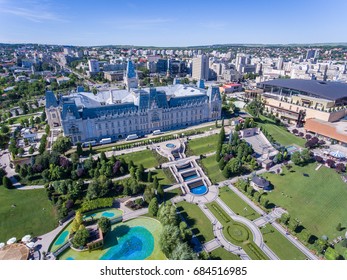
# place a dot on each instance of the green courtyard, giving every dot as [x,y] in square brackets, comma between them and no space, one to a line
[237,205]
[280,245]
[317,198]
[25,212]
[203,145]
[280,134]
[145,157]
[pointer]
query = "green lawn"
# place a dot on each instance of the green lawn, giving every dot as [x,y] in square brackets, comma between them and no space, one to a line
[162,178]
[144,157]
[211,169]
[316,198]
[33,213]
[203,145]
[237,233]
[236,204]
[280,245]
[222,254]
[280,134]
[170,194]
[196,219]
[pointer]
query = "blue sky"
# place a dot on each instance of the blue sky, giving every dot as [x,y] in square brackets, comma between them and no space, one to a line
[172,23]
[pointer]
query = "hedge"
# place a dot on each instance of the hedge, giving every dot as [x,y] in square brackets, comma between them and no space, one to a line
[89,205]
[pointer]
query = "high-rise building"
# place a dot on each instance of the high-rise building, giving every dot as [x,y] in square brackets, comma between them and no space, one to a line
[200,67]
[280,63]
[312,54]
[93,66]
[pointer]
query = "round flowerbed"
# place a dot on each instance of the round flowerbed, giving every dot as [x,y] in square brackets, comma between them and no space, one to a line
[238,232]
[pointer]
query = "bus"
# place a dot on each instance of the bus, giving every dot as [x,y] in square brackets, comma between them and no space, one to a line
[105,140]
[86,144]
[157,132]
[131,137]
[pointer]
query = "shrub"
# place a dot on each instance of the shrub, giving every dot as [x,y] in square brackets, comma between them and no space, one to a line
[89,205]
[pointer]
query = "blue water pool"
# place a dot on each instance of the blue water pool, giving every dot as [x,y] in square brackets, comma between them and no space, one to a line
[170,145]
[135,243]
[199,190]
[107,214]
[70,259]
[190,177]
[61,239]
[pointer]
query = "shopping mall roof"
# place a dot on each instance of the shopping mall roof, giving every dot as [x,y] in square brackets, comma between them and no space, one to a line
[322,89]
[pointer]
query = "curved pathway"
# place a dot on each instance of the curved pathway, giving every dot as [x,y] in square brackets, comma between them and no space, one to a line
[257,236]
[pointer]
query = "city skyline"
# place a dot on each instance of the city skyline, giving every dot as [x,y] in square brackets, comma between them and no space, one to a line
[163,25]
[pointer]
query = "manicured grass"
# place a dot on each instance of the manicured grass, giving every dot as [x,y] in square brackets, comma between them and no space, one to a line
[280,245]
[144,157]
[33,213]
[222,254]
[203,145]
[212,170]
[280,134]
[171,194]
[162,178]
[196,219]
[237,233]
[236,204]
[316,198]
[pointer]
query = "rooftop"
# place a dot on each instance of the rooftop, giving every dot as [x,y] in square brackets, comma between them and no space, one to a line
[323,89]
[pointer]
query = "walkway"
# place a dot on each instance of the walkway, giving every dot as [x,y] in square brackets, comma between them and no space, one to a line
[276,225]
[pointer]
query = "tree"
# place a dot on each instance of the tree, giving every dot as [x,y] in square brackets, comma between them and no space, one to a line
[306,236]
[331,254]
[140,173]
[221,164]
[293,224]
[306,156]
[183,252]
[160,191]
[329,162]
[153,207]
[6,182]
[104,224]
[77,222]
[31,150]
[23,171]
[149,177]
[62,144]
[226,172]
[169,239]
[79,149]
[133,172]
[338,227]
[296,158]
[80,238]
[103,156]
[285,218]
[148,194]
[155,183]
[3,173]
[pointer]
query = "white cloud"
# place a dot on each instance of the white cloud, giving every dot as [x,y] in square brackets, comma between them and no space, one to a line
[36,11]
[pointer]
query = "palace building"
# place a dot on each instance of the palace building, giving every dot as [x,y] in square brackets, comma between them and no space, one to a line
[118,113]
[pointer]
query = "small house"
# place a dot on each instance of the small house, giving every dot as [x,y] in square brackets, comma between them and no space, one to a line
[259,183]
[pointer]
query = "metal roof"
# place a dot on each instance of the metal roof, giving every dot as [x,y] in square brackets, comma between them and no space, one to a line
[323,89]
